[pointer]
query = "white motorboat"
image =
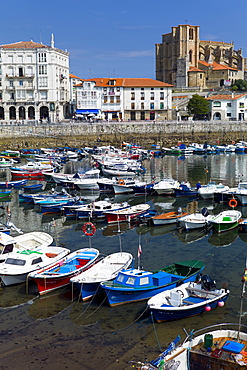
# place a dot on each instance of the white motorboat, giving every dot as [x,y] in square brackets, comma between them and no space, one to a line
[29,241]
[208,191]
[166,186]
[196,220]
[241,193]
[17,266]
[89,181]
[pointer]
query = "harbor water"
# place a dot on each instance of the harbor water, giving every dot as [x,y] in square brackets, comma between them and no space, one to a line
[58,331]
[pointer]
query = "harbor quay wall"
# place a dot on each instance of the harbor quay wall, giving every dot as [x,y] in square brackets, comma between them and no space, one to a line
[78,135]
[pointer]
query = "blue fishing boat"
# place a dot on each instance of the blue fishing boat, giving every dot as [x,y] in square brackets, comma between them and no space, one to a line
[187,300]
[12,184]
[185,190]
[133,285]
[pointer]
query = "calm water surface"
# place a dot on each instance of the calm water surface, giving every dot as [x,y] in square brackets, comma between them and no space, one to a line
[57,332]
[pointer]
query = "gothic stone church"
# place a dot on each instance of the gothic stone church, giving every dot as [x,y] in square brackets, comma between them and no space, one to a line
[183,60]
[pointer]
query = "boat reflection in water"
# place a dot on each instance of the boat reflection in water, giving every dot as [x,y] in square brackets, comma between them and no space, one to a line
[223,239]
[192,235]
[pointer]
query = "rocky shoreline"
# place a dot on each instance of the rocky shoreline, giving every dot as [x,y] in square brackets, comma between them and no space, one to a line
[145,134]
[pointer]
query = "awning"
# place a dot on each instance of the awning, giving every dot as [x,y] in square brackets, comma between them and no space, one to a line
[87,111]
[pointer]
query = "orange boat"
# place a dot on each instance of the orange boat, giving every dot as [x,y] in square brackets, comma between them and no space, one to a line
[168,218]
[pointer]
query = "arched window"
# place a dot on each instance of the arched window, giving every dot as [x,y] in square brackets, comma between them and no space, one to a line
[191,33]
[22,113]
[12,113]
[217,103]
[31,113]
[1,113]
[190,56]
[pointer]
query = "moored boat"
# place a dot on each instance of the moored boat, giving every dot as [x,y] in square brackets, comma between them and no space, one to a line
[127,214]
[18,265]
[226,220]
[168,218]
[133,285]
[60,273]
[187,300]
[88,282]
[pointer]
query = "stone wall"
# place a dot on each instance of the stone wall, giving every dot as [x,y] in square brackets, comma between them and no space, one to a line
[145,133]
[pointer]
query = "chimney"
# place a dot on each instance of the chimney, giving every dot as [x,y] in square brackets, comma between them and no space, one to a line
[52,41]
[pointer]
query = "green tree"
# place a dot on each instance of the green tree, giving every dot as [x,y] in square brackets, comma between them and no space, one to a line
[239,85]
[198,106]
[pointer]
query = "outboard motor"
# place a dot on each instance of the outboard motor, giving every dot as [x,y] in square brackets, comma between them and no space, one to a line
[205,212]
[208,283]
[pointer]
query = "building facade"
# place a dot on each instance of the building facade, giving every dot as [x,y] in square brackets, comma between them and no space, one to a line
[34,82]
[228,107]
[123,99]
[183,60]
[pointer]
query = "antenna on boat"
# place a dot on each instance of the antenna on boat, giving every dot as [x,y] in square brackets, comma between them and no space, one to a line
[244,279]
[54,224]
[139,253]
[119,233]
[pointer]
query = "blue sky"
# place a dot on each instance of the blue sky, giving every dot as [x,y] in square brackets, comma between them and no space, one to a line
[115,38]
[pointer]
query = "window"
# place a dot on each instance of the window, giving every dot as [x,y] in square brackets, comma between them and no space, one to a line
[105,99]
[120,278]
[229,104]
[228,114]
[142,105]
[11,71]
[200,75]
[10,59]
[161,95]
[151,105]
[43,82]
[20,94]
[217,104]
[144,280]
[11,83]
[20,83]
[132,96]
[21,73]
[132,105]
[191,33]
[111,99]
[29,58]
[20,58]
[42,57]
[161,105]
[42,69]
[142,95]
[241,105]
[130,280]
[11,96]
[43,95]
[152,95]
[143,116]
[118,99]
[36,260]
[112,82]
[190,56]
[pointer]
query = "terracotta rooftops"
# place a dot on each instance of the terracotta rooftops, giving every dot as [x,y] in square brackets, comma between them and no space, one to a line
[226,97]
[128,82]
[194,69]
[216,66]
[24,45]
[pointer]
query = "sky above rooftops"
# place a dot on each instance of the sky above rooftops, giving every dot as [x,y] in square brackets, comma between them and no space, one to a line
[117,38]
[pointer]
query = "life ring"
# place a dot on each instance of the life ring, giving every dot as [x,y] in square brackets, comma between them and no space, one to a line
[233,203]
[121,182]
[89,229]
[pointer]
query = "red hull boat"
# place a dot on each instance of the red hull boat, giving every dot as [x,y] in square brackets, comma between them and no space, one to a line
[127,214]
[59,274]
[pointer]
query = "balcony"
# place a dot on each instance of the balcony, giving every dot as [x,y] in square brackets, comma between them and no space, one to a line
[19,76]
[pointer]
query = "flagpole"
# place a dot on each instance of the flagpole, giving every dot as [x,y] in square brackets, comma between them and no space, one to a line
[244,279]
[139,253]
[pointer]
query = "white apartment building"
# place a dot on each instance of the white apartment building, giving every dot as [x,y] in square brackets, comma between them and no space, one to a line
[118,99]
[228,107]
[34,82]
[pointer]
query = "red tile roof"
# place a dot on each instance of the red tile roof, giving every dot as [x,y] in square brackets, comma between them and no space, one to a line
[217,66]
[24,45]
[129,82]
[194,69]
[226,97]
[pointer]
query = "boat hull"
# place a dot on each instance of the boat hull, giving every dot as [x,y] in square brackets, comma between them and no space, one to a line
[165,315]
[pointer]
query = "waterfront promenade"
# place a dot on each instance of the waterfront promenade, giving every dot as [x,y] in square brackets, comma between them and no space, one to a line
[26,134]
